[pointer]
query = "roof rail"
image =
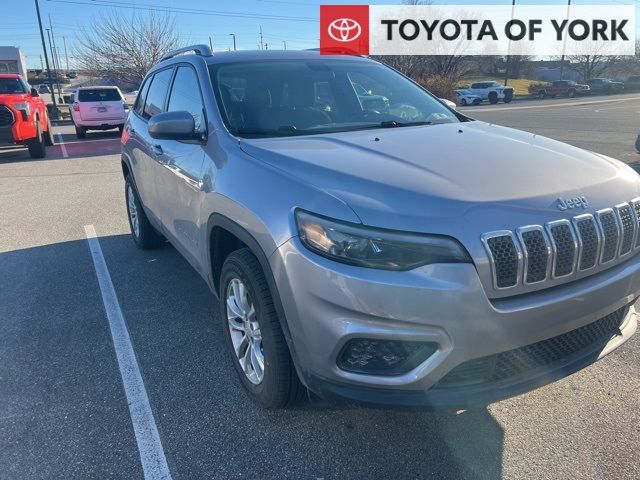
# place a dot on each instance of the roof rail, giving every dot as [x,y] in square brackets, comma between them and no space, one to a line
[200,50]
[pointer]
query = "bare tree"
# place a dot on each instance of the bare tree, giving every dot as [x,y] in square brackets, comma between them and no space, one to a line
[589,66]
[123,48]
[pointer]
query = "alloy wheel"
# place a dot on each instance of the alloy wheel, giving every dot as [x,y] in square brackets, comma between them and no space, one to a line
[245,331]
[133,212]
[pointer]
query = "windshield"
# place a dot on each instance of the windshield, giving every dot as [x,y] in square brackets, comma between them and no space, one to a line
[12,85]
[280,98]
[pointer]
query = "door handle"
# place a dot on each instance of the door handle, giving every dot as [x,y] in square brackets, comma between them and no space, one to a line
[157,150]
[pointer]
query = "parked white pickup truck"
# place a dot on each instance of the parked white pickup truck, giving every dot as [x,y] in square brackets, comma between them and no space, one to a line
[492,91]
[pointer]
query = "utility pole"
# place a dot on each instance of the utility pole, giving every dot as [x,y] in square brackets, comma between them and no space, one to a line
[506,68]
[261,43]
[56,60]
[66,57]
[234,41]
[564,46]
[284,42]
[210,43]
[266,46]
[54,111]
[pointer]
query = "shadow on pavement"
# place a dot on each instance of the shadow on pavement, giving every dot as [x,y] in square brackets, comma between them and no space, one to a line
[66,398]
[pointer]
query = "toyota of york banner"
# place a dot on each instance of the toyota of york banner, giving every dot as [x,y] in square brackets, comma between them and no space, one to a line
[542,30]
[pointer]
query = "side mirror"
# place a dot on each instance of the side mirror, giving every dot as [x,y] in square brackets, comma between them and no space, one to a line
[34,92]
[173,126]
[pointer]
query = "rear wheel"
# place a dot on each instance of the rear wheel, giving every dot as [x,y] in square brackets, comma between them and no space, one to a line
[81,132]
[493,98]
[542,94]
[36,146]
[255,340]
[143,233]
[571,93]
[463,102]
[507,97]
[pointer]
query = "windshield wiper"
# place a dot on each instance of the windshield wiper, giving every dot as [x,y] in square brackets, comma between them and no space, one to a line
[393,124]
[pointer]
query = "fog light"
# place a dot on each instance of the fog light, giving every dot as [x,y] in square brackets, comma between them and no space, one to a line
[383,357]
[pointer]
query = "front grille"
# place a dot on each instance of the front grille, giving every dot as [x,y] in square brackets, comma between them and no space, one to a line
[6,116]
[531,359]
[563,247]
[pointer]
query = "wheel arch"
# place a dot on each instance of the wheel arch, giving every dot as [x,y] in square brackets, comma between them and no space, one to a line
[225,236]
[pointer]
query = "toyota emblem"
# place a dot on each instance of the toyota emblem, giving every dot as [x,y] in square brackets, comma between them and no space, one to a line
[344,30]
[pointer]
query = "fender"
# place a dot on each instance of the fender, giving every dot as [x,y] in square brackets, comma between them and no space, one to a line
[219,220]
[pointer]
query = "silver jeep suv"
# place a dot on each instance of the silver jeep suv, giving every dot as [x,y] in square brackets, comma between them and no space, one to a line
[398,254]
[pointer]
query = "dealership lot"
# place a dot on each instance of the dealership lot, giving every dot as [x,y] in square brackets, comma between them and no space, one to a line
[63,410]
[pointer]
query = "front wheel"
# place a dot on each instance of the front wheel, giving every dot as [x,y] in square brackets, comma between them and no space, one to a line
[255,340]
[463,102]
[507,98]
[542,94]
[48,135]
[571,93]
[36,146]
[143,233]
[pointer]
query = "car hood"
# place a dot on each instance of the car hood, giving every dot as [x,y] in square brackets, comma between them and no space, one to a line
[9,98]
[449,177]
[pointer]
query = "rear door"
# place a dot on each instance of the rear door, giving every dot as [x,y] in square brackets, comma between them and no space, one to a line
[104,103]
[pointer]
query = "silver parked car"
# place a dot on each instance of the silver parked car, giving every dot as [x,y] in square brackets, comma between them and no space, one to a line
[409,256]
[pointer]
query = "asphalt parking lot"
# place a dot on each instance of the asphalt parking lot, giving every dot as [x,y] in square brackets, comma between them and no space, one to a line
[64,412]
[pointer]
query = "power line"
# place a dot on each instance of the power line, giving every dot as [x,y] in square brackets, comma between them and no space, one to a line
[193,11]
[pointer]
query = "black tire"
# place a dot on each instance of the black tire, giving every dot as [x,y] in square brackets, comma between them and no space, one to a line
[48,135]
[493,98]
[571,93]
[280,386]
[36,146]
[542,94]
[638,144]
[146,237]
[81,132]
[463,102]
[507,98]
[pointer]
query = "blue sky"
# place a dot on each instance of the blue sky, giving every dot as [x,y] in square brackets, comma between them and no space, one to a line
[295,22]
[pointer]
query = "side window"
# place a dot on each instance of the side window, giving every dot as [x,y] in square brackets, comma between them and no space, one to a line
[142,95]
[154,102]
[185,95]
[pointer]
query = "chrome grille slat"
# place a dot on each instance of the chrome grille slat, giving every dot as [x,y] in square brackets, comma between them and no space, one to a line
[589,241]
[610,230]
[627,228]
[558,249]
[536,250]
[565,247]
[505,257]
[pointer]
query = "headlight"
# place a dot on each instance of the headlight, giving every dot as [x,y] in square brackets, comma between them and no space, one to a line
[22,107]
[373,248]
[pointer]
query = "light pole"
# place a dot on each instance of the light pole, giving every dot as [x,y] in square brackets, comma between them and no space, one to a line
[234,40]
[54,111]
[284,42]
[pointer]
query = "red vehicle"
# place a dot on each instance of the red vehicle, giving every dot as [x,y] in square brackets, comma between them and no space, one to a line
[23,116]
[560,88]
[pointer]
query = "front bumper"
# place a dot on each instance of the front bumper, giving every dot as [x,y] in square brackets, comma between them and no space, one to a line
[327,303]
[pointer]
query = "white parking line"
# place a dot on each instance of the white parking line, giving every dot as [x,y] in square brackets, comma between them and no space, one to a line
[154,463]
[62,146]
